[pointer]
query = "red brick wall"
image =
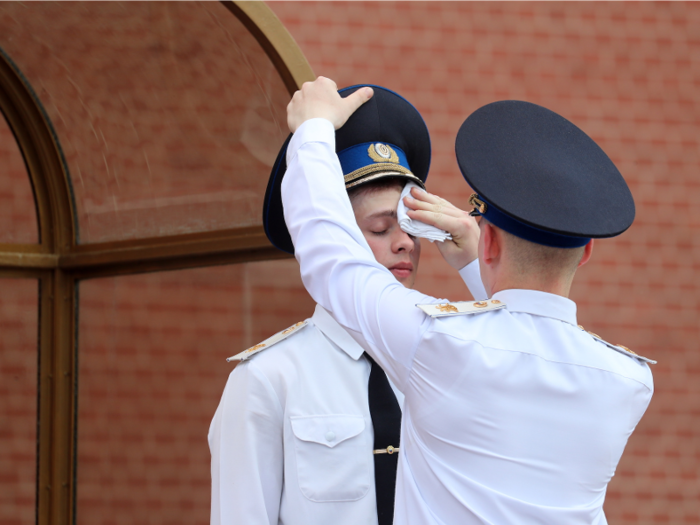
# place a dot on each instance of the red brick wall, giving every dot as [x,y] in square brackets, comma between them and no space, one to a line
[18,373]
[629,75]
[18,221]
[151,346]
[152,352]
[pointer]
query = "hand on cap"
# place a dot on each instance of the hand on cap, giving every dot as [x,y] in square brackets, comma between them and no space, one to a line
[320,99]
[433,210]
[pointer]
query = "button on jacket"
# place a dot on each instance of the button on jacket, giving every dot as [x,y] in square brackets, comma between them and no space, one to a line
[292,439]
[510,416]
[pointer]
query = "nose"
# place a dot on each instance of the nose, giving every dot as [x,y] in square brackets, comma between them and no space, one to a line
[403,242]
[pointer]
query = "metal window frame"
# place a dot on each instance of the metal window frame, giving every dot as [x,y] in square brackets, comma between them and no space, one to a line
[58,262]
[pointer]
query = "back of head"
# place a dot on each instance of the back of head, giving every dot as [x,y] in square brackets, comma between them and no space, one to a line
[544,184]
[530,261]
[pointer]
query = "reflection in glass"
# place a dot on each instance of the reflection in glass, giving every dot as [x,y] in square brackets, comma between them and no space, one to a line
[152,352]
[18,400]
[18,221]
[169,114]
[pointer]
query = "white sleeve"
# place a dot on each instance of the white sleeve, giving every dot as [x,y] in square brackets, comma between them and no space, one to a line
[337,265]
[247,451]
[471,275]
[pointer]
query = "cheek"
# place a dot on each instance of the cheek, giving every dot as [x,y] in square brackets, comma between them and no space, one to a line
[416,250]
[381,248]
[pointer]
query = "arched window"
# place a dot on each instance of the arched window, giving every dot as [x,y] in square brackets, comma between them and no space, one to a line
[135,152]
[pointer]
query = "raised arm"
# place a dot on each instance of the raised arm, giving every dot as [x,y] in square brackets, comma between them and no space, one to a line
[337,266]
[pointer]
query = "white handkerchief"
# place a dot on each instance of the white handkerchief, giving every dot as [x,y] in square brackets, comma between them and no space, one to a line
[417,228]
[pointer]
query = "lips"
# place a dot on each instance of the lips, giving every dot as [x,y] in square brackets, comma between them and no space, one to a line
[401,270]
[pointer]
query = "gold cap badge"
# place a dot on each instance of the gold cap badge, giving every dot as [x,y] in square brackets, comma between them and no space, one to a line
[382,153]
[478,204]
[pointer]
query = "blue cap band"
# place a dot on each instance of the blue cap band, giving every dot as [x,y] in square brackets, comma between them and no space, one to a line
[527,232]
[364,156]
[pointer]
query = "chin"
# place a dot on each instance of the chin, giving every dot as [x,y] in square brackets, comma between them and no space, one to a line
[407,282]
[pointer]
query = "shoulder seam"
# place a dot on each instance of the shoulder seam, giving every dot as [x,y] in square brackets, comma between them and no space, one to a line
[255,370]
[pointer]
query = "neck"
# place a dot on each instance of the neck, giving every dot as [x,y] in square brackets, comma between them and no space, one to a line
[554,286]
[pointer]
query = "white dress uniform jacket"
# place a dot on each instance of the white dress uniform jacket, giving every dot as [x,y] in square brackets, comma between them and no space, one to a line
[510,416]
[291,441]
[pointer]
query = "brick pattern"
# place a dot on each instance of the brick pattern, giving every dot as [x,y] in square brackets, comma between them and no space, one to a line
[152,369]
[18,401]
[18,220]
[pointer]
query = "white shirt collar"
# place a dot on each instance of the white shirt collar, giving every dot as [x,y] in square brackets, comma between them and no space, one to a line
[336,333]
[539,303]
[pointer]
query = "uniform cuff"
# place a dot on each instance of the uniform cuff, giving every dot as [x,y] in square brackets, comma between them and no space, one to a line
[313,130]
[471,275]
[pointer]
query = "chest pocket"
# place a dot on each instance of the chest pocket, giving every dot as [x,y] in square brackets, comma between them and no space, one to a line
[333,454]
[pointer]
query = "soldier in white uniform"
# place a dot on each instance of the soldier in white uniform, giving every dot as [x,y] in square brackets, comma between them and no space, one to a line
[307,431]
[512,412]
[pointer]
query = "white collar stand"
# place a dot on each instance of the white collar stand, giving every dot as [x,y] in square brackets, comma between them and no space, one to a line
[336,333]
[539,303]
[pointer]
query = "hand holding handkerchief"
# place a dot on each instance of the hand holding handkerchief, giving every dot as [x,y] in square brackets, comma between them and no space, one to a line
[461,232]
[417,228]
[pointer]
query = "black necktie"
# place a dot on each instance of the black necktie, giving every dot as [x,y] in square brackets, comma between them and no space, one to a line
[386,420]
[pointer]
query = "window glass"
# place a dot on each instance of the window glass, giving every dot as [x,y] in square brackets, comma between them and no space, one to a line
[18,221]
[152,369]
[18,400]
[169,114]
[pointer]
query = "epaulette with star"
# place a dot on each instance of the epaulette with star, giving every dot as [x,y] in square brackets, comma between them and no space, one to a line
[267,343]
[619,348]
[461,307]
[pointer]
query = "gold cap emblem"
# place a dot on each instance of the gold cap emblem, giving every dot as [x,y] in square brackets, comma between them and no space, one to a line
[382,153]
[478,204]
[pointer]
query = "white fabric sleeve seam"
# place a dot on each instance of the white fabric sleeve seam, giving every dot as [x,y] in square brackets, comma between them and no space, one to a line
[309,127]
[301,146]
[265,382]
[414,350]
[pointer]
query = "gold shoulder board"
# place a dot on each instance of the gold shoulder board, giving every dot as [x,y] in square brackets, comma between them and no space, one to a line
[619,348]
[267,343]
[461,307]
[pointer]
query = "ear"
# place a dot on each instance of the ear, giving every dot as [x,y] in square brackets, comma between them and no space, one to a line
[587,251]
[492,248]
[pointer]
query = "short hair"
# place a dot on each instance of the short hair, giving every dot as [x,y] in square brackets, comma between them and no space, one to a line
[377,185]
[528,257]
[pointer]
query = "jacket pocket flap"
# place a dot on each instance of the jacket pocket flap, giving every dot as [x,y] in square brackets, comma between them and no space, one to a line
[328,430]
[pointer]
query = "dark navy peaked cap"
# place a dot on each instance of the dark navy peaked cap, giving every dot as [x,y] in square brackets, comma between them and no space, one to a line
[385,137]
[540,177]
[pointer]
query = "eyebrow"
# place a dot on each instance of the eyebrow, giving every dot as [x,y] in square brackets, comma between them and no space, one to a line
[384,213]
